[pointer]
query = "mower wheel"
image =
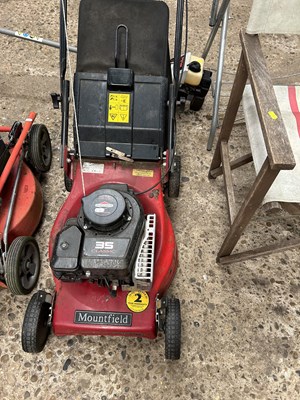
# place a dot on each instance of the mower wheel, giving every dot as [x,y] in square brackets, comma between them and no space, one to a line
[36,329]
[172,329]
[68,183]
[40,150]
[22,265]
[174,178]
[196,103]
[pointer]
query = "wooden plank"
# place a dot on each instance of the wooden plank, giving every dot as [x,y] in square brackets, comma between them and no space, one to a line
[228,182]
[252,201]
[260,251]
[238,162]
[231,111]
[276,139]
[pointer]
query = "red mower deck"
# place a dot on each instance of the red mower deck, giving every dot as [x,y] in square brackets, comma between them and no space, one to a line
[85,296]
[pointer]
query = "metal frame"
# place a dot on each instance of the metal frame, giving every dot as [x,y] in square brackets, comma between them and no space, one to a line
[35,39]
[216,19]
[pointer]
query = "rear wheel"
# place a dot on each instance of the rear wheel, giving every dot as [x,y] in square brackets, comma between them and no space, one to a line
[36,328]
[22,266]
[40,150]
[172,329]
[68,182]
[174,178]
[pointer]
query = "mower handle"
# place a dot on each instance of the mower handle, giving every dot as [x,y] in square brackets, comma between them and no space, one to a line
[5,128]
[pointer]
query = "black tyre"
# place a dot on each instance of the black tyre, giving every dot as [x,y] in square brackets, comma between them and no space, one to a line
[36,329]
[22,267]
[40,150]
[196,103]
[172,329]
[174,178]
[68,183]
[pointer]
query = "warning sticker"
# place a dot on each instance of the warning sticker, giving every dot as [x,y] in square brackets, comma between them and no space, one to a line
[137,301]
[143,172]
[92,168]
[118,108]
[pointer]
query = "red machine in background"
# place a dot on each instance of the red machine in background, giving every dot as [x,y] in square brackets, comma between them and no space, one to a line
[26,153]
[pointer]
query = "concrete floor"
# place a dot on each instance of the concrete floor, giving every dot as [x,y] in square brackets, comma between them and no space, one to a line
[240,332]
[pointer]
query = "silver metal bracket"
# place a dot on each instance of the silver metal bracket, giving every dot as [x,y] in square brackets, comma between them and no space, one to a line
[160,313]
[118,154]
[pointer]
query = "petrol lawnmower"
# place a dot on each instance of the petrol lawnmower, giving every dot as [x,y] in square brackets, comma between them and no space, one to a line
[26,153]
[112,248]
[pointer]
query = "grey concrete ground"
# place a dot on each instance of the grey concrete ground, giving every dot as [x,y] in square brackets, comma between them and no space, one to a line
[240,324]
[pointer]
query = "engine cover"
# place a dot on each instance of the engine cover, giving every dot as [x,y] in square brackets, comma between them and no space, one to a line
[105,210]
[102,243]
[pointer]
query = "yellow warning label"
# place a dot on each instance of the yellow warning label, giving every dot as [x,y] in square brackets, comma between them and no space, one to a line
[119,108]
[143,172]
[272,115]
[137,301]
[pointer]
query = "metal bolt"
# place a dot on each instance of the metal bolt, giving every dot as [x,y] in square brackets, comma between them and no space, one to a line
[87,274]
[85,227]
[64,245]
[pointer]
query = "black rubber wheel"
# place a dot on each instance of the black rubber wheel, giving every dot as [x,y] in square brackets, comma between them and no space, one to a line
[22,267]
[196,103]
[174,178]
[35,330]
[40,150]
[68,183]
[172,329]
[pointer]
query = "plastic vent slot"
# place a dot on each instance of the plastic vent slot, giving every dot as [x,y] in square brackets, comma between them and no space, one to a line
[144,265]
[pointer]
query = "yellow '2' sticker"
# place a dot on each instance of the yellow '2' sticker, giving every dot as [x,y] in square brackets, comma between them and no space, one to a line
[137,301]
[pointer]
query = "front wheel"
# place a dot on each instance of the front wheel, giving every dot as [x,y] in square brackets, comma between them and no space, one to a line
[172,329]
[36,328]
[22,266]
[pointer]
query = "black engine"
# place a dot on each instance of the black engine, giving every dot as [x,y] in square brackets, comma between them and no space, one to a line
[103,241]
